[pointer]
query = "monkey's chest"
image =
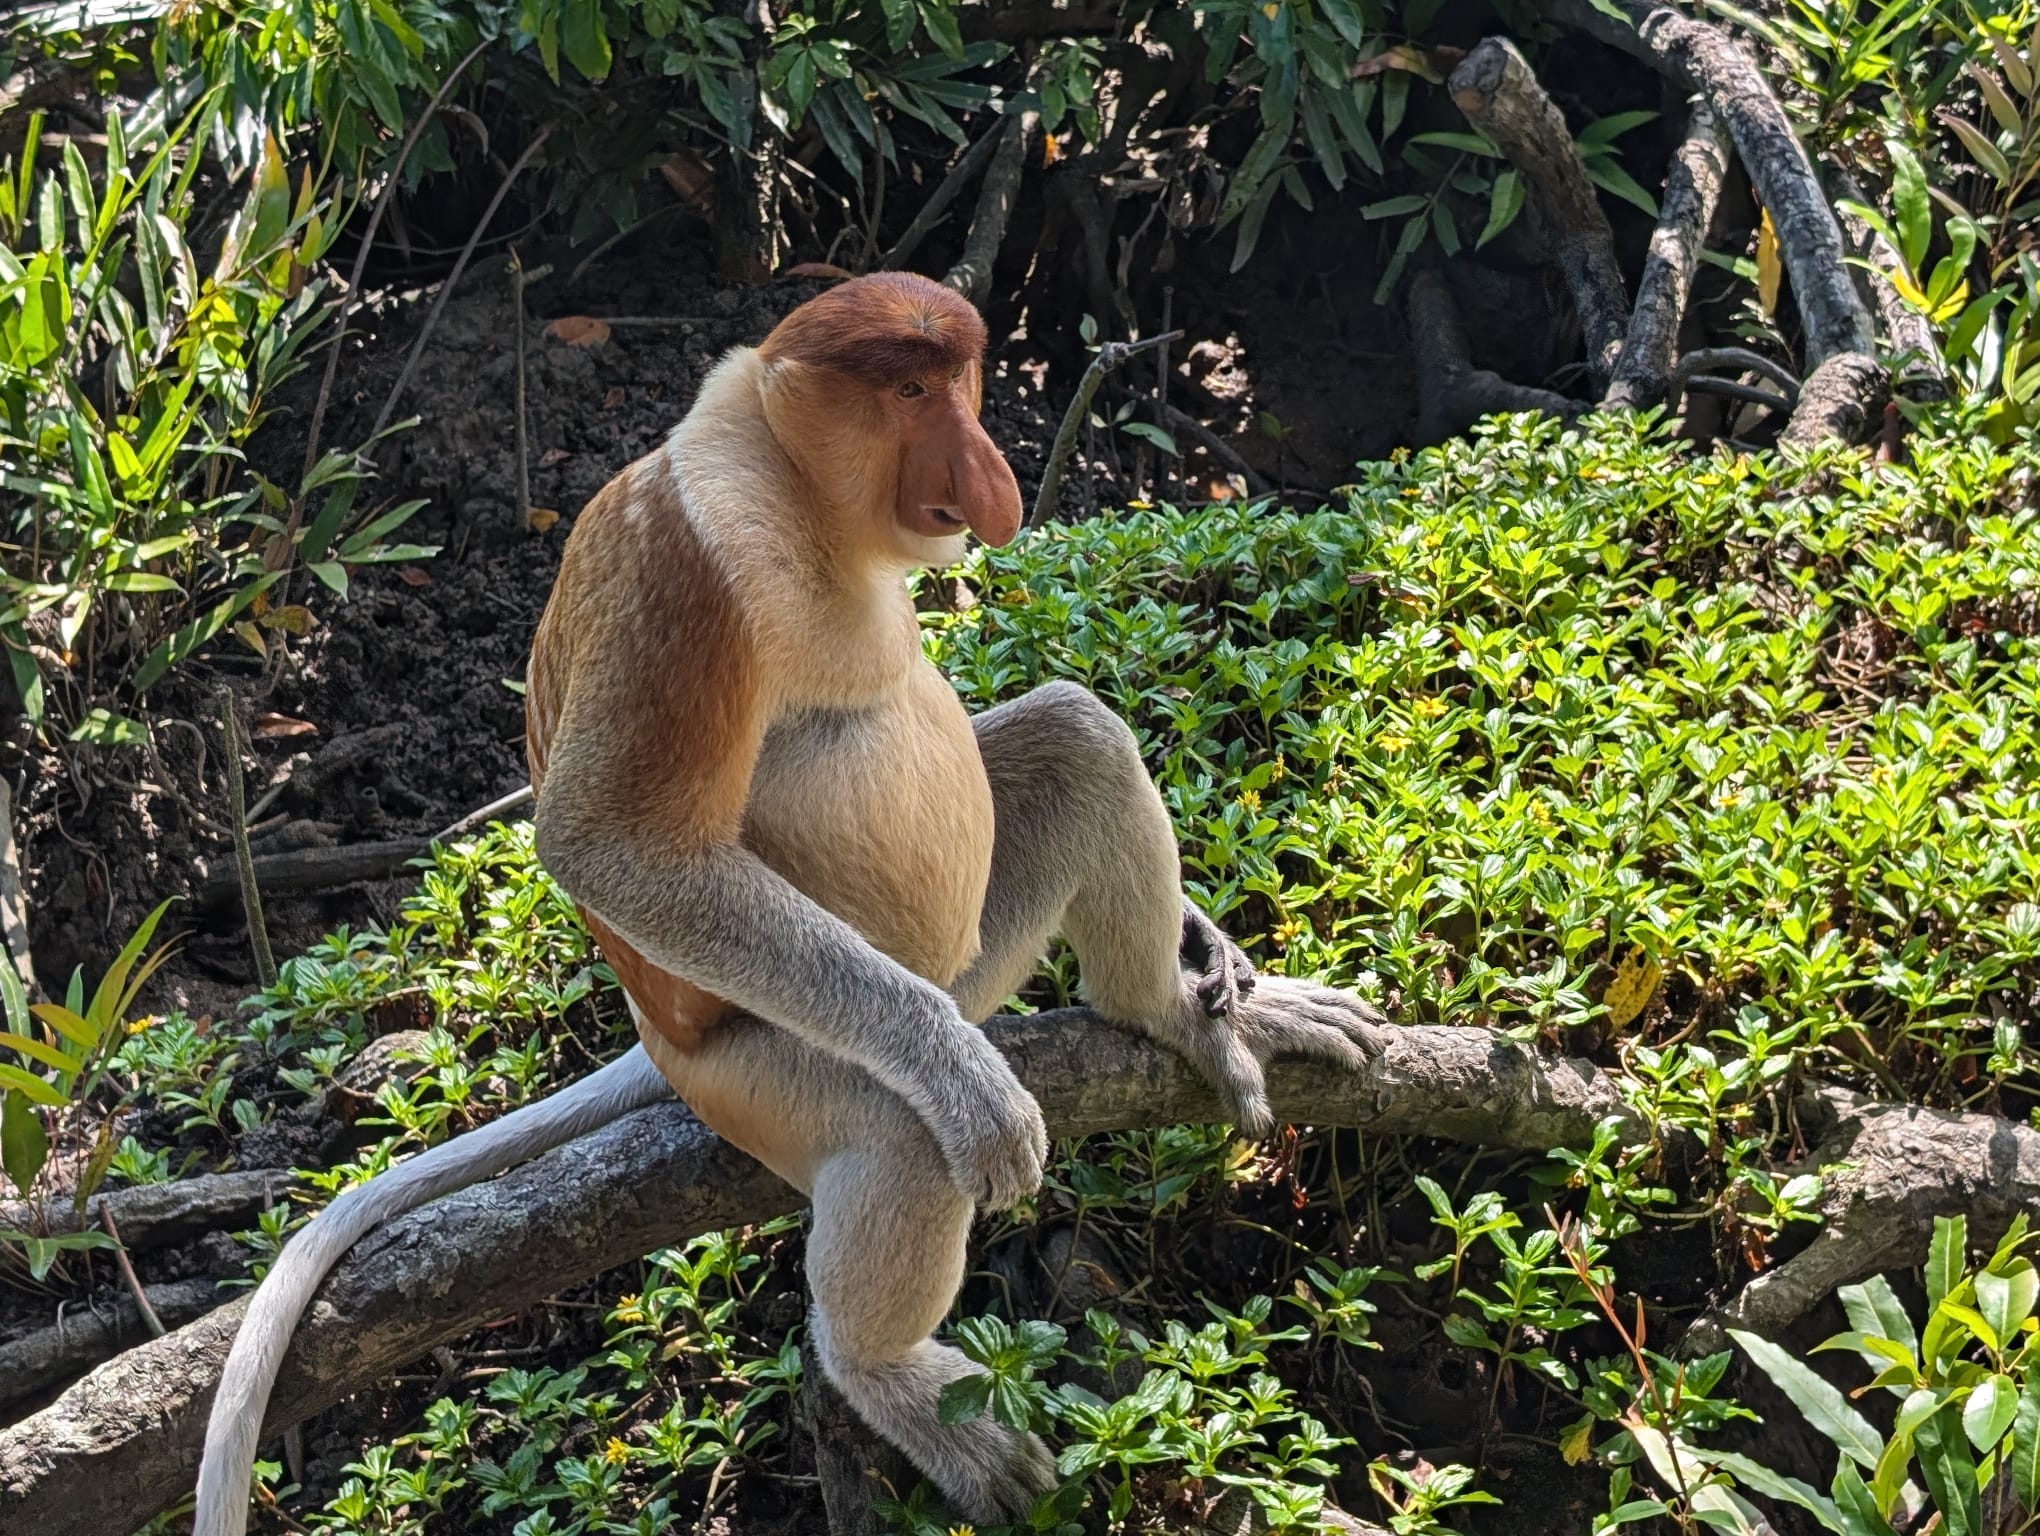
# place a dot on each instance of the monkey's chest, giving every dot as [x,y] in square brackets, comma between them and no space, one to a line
[883,816]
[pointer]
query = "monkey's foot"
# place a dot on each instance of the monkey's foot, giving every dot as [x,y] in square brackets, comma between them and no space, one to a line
[1221,970]
[1281,1017]
[999,1478]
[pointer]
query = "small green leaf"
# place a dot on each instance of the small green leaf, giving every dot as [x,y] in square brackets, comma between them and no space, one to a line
[1826,1409]
[1945,1256]
[1987,1416]
[24,1144]
[964,1399]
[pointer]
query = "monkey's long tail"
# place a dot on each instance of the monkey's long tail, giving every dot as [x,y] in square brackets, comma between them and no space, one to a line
[233,1431]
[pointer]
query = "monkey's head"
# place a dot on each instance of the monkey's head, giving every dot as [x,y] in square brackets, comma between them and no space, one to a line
[874,387]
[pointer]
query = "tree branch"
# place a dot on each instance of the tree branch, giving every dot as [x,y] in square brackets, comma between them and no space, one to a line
[1643,373]
[1705,59]
[972,274]
[1452,394]
[1498,92]
[1908,334]
[125,1441]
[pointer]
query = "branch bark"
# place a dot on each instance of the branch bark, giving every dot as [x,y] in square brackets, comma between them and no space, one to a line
[974,160]
[1643,373]
[972,274]
[158,1215]
[1705,59]
[32,1365]
[1498,92]
[125,1441]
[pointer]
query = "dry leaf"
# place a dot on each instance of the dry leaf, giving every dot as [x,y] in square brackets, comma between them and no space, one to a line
[688,175]
[614,396]
[251,637]
[259,606]
[553,456]
[413,576]
[815,269]
[1433,66]
[542,519]
[292,619]
[269,726]
[1770,270]
[1635,984]
[579,330]
[1051,149]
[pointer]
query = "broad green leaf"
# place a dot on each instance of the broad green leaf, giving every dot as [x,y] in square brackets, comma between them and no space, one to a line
[34,1088]
[1987,1415]
[1910,205]
[2006,1299]
[24,1144]
[1826,1409]
[1755,1475]
[1858,1510]
[1945,1257]
[1874,1308]
[1950,1472]
[36,1051]
[2025,1461]
[964,1399]
[1505,201]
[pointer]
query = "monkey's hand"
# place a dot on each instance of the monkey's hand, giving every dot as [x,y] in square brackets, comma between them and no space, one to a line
[988,1126]
[1221,974]
[1282,1016]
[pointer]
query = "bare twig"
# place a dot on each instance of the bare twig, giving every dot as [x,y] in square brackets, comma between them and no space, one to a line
[446,288]
[1707,384]
[127,1273]
[1179,420]
[523,446]
[972,274]
[1110,356]
[375,218]
[1643,373]
[244,858]
[960,176]
[1709,360]
[486,813]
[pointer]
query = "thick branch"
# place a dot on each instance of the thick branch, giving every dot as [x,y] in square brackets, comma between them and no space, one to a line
[158,1215]
[1643,374]
[1908,334]
[945,193]
[972,274]
[1452,394]
[1705,59]
[125,1441]
[1839,399]
[1892,1168]
[1497,90]
[32,1365]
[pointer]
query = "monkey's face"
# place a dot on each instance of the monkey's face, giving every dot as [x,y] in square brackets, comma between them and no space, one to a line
[951,476]
[873,388]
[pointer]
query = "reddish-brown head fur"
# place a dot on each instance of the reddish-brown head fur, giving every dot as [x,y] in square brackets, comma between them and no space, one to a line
[879,381]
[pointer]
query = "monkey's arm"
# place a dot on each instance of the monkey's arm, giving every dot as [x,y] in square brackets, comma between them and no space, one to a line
[662,866]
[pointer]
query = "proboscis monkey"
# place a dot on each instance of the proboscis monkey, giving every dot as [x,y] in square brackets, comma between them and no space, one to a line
[814,873]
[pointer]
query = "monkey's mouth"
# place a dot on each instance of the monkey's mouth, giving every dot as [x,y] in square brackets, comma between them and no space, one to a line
[936,522]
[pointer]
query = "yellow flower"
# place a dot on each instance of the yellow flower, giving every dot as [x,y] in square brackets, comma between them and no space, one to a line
[1541,814]
[1288,931]
[963,1530]
[628,1310]
[1431,707]
[616,1453]
[1141,504]
[1880,774]
[1731,798]
[1251,800]
[1398,455]
[1279,772]
[1390,741]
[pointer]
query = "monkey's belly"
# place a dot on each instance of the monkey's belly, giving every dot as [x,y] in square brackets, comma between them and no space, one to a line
[884,817]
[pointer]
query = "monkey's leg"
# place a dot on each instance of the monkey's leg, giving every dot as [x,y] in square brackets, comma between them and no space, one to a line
[885,1253]
[1084,848]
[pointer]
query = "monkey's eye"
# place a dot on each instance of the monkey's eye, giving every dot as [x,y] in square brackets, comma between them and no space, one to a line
[956,373]
[911,390]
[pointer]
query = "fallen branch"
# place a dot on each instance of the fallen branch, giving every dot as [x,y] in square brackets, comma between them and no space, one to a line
[124,1441]
[960,176]
[32,1365]
[157,1215]
[1452,394]
[1643,374]
[972,274]
[1498,92]
[1887,1171]
[1179,420]
[1110,356]
[1908,334]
